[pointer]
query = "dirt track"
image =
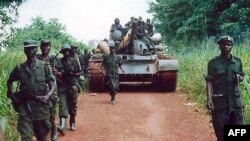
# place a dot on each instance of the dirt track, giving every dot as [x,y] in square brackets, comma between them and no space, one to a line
[139,116]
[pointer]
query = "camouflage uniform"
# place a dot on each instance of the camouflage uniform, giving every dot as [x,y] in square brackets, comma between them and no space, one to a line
[33,115]
[54,98]
[68,89]
[111,63]
[85,60]
[78,58]
[226,97]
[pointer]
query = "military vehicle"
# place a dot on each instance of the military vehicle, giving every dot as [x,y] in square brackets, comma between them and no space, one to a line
[143,60]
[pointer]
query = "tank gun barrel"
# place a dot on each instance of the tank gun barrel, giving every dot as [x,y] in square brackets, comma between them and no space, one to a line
[132,35]
[127,43]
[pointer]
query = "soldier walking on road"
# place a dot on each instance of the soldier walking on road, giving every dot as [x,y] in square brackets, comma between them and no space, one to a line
[86,56]
[67,74]
[111,63]
[45,49]
[75,54]
[32,100]
[223,95]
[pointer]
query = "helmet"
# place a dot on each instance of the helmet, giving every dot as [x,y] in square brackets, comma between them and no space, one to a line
[65,46]
[225,38]
[73,46]
[111,44]
[30,43]
[45,41]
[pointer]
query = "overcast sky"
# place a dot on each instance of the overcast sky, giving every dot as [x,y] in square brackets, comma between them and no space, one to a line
[84,19]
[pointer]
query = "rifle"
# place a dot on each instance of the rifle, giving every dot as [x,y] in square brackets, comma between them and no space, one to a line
[53,59]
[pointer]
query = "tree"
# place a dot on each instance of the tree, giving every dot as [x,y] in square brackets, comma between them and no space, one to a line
[194,20]
[41,29]
[8,15]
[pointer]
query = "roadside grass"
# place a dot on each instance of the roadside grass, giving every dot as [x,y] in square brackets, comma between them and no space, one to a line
[191,78]
[193,69]
[8,60]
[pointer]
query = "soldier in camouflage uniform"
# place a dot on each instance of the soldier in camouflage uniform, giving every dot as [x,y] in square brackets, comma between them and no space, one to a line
[45,49]
[33,108]
[78,57]
[223,95]
[111,63]
[85,60]
[67,75]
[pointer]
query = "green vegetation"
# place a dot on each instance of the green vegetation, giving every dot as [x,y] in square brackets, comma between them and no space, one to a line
[191,21]
[8,16]
[193,68]
[41,29]
[7,63]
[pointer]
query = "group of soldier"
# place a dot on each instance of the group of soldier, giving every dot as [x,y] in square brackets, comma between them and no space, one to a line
[45,80]
[143,29]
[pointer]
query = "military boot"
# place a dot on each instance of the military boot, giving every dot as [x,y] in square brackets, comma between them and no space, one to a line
[112,99]
[54,133]
[62,126]
[72,123]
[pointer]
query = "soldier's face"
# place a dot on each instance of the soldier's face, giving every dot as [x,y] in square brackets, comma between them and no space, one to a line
[117,21]
[66,52]
[112,50]
[45,48]
[226,47]
[74,50]
[30,52]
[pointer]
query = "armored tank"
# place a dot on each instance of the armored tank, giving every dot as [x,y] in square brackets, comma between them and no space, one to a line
[143,60]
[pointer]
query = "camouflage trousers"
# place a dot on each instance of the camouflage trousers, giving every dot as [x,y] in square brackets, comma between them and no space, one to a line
[53,104]
[113,83]
[68,102]
[27,128]
[222,117]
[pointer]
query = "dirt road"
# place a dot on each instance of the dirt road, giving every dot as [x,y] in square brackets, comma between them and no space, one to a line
[139,116]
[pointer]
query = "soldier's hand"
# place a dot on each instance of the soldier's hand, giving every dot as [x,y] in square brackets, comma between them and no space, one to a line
[210,105]
[10,95]
[239,78]
[43,99]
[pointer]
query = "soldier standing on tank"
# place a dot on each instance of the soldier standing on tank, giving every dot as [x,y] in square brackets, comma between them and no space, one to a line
[148,28]
[111,63]
[129,24]
[223,96]
[67,74]
[33,110]
[116,26]
[45,47]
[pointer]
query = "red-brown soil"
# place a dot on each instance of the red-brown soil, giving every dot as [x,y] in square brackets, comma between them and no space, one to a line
[139,116]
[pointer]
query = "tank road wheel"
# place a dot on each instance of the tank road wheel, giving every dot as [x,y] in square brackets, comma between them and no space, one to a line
[167,81]
[96,77]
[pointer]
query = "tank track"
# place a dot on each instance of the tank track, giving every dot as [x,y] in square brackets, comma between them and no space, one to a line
[96,77]
[166,81]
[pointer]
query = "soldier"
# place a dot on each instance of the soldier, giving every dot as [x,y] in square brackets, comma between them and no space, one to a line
[75,54]
[45,49]
[129,24]
[33,107]
[86,57]
[116,30]
[223,96]
[111,63]
[116,25]
[67,75]
[148,28]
